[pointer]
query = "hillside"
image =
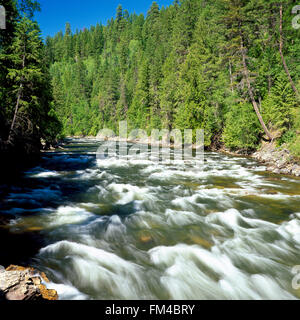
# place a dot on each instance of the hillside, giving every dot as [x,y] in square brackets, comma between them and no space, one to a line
[229,67]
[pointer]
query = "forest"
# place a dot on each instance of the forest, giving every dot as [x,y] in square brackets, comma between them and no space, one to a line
[27,114]
[230,67]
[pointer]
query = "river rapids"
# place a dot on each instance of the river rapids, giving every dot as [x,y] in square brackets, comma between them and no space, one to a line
[140,229]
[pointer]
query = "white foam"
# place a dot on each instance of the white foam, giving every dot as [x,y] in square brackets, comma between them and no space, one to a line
[95,268]
[291,230]
[93,174]
[195,273]
[115,230]
[182,218]
[233,219]
[67,292]
[201,196]
[128,193]
[45,174]
[66,216]
[112,162]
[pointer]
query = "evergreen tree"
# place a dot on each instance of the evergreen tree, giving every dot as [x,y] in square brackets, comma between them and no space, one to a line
[29,96]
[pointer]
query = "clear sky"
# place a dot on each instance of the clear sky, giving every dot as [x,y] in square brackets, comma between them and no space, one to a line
[85,13]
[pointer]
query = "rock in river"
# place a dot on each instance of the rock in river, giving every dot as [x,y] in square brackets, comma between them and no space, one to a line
[19,283]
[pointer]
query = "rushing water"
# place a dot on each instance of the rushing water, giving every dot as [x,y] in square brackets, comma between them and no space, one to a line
[114,229]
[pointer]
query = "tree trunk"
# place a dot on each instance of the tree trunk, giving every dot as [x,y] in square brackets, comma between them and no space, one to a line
[231,78]
[15,114]
[282,56]
[250,91]
[18,102]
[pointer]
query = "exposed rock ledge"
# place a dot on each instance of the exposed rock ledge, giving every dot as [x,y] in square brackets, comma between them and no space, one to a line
[19,283]
[277,161]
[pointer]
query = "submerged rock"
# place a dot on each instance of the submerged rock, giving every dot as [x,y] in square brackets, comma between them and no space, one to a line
[19,283]
[145,239]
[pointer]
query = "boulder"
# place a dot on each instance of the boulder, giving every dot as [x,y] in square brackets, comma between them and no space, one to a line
[19,283]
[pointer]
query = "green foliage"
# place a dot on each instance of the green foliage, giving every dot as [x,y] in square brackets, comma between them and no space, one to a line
[26,94]
[179,67]
[242,129]
[52,127]
[278,105]
[292,137]
[288,137]
[295,147]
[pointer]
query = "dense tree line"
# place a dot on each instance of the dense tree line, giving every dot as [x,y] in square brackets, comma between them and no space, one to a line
[228,66]
[26,105]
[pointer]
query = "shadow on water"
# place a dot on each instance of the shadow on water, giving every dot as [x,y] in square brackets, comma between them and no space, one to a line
[24,196]
[16,248]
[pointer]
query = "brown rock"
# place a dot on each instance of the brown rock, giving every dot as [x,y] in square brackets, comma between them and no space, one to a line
[48,294]
[20,283]
[44,277]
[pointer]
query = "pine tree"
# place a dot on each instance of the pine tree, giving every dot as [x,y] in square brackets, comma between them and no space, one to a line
[239,37]
[68,43]
[30,94]
[277,107]
[119,15]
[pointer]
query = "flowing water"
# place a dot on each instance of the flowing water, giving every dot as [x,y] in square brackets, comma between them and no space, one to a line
[139,229]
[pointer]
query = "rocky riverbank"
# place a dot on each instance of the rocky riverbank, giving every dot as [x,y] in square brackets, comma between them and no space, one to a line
[277,160]
[19,283]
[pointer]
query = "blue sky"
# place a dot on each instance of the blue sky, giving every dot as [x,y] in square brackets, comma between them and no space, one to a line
[85,13]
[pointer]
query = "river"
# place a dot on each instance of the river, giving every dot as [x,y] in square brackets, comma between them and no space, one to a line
[114,229]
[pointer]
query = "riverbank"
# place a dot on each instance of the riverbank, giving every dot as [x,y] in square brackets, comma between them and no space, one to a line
[277,160]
